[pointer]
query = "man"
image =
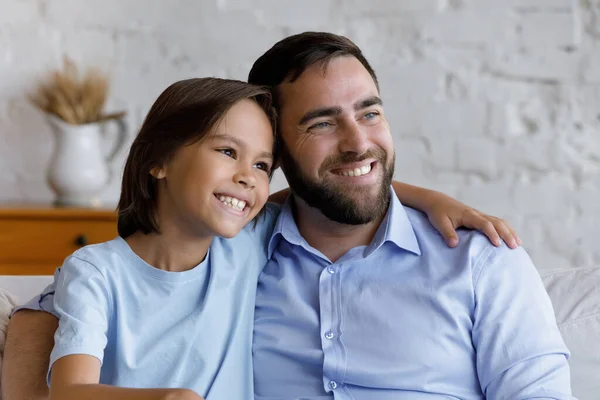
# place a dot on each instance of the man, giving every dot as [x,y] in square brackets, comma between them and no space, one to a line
[361,299]
[31,331]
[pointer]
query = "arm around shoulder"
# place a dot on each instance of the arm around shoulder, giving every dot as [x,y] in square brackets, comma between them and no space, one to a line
[29,342]
[446,214]
[279,197]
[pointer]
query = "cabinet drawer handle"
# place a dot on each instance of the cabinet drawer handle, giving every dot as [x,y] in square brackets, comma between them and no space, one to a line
[81,240]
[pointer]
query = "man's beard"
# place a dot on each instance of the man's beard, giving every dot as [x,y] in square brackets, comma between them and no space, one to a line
[330,198]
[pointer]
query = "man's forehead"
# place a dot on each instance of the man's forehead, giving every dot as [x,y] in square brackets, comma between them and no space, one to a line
[345,68]
[344,80]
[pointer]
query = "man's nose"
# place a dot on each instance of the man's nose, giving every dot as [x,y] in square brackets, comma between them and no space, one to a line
[354,139]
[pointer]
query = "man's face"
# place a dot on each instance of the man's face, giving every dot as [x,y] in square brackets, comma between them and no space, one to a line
[338,154]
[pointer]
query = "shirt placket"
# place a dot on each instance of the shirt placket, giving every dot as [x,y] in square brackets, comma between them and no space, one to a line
[334,359]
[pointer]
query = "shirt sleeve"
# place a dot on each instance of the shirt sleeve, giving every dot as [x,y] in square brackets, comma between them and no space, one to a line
[44,301]
[520,351]
[82,302]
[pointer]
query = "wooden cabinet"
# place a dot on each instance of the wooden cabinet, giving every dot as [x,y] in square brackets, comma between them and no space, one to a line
[36,240]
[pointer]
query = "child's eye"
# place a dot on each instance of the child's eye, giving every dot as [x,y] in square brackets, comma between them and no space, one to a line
[227,152]
[263,166]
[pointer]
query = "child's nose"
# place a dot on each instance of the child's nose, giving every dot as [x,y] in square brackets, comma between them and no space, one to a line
[245,177]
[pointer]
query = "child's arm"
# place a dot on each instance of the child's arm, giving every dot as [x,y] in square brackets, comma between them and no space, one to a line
[445,214]
[279,197]
[76,377]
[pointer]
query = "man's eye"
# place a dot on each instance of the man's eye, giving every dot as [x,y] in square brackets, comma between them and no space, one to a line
[371,115]
[320,125]
[227,152]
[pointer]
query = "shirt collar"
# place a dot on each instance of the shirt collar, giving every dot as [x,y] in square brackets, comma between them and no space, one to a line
[395,228]
[286,227]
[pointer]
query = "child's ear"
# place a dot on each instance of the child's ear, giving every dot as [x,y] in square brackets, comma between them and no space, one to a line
[158,172]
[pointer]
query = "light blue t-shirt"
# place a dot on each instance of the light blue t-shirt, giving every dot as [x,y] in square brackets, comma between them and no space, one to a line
[157,329]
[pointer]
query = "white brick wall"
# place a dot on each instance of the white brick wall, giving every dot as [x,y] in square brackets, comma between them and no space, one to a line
[495,102]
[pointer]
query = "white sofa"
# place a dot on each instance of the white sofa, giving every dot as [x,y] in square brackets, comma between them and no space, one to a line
[575,294]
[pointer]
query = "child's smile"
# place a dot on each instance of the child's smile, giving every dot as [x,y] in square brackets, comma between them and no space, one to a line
[233,203]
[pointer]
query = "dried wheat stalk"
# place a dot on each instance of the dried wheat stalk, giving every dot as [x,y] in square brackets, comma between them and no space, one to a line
[74,99]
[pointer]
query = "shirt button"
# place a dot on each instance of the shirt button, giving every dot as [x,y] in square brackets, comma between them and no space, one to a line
[329,335]
[331,270]
[332,385]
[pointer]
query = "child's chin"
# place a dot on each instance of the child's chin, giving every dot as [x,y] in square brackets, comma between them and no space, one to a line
[229,233]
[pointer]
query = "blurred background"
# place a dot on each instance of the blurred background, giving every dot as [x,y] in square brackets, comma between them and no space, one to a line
[494,102]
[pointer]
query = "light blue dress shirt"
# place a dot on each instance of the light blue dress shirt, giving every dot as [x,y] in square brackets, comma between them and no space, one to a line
[157,329]
[405,317]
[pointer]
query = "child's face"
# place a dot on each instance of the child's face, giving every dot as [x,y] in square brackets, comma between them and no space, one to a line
[217,186]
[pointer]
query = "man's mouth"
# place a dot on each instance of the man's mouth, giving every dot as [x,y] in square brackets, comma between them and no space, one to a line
[359,170]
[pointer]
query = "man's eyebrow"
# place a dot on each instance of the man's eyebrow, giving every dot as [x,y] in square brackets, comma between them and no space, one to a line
[320,112]
[241,144]
[368,102]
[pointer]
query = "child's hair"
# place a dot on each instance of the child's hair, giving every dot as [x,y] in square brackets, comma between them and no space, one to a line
[185,113]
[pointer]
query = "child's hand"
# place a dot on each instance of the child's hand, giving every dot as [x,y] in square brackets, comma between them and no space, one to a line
[446,214]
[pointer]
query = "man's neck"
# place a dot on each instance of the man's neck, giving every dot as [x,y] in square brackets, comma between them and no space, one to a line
[331,238]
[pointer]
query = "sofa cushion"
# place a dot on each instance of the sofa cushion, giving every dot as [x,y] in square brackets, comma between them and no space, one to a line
[575,295]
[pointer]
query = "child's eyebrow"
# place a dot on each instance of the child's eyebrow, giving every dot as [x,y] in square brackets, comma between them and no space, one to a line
[229,138]
[241,144]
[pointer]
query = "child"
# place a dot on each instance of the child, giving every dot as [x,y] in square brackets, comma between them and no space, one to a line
[169,303]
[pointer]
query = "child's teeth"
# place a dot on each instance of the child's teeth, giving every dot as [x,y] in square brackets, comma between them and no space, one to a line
[232,202]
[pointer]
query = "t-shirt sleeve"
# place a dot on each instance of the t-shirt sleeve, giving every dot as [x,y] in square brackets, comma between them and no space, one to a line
[44,301]
[82,302]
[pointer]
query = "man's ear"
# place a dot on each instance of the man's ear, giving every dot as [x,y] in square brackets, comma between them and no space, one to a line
[158,172]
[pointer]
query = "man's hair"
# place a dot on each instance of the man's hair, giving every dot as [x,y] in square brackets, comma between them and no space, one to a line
[290,57]
[185,113]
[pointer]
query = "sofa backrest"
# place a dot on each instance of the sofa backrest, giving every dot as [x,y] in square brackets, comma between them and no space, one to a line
[575,295]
